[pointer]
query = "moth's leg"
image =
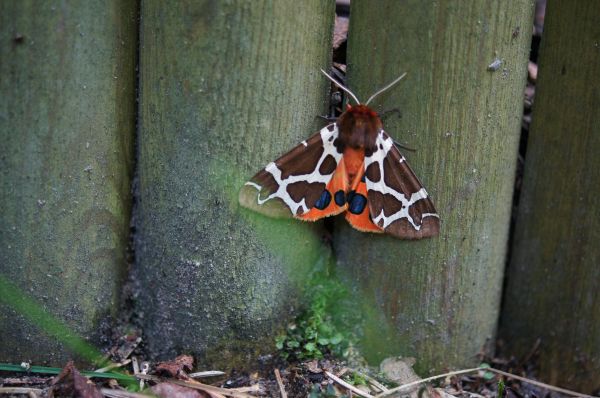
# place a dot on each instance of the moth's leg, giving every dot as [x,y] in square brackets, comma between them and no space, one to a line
[334,109]
[329,119]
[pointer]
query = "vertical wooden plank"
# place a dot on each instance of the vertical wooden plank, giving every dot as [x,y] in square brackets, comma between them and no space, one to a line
[438,299]
[552,291]
[67,119]
[226,87]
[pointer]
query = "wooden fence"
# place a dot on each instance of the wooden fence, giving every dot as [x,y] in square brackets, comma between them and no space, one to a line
[222,89]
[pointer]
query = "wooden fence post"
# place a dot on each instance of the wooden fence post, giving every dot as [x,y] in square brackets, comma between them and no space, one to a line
[554,274]
[438,299]
[67,119]
[225,88]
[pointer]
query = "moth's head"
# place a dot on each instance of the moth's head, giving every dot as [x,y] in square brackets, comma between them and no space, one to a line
[359,115]
[359,126]
[361,110]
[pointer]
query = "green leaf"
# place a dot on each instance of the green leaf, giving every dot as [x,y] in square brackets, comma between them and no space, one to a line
[487,375]
[310,347]
[293,344]
[279,341]
[337,339]
[315,392]
[326,329]
[323,341]
[330,390]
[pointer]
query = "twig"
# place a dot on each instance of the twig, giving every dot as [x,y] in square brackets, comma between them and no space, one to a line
[107,392]
[125,350]
[485,368]
[280,383]
[342,372]
[539,383]
[372,381]
[416,383]
[136,370]
[206,373]
[36,392]
[252,388]
[14,381]
[230,392]
[113,366]
[348,385]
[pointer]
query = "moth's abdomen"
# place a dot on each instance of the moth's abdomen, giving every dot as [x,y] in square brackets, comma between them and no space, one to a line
[354,160]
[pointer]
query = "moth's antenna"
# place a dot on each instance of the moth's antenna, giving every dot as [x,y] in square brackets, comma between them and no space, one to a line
[341,86]
[385,88]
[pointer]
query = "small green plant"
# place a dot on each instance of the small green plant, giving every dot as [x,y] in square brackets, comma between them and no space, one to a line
[501,389]
[356,379]
[315,332]
[487,374]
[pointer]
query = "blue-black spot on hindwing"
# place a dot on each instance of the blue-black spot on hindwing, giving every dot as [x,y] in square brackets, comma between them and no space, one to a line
[340,198]
[349,196]
[357,203]
[324,200]
[363,179]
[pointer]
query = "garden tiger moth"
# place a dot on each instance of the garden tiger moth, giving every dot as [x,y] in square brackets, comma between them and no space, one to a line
[349,166]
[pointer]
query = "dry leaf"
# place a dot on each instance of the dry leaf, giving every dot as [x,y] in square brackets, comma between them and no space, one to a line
[176,368]
[169,390]
[71,383]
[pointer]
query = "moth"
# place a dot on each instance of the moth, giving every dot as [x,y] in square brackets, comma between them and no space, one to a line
[350,166]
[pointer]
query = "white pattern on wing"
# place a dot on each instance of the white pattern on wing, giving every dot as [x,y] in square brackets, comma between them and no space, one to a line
[384,145]
[327,137]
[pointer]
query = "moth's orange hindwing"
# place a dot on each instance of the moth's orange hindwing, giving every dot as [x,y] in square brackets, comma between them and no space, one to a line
[357,213]
[333,198]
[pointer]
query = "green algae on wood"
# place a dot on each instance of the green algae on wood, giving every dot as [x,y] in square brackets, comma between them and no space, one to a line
[225,89]
[67,119]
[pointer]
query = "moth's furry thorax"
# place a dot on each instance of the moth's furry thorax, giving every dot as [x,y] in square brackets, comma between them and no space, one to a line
[359,127]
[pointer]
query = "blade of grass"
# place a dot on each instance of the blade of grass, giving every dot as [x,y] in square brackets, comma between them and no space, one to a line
[46,322]
[54,371]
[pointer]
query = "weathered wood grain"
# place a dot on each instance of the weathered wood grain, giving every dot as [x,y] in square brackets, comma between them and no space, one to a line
[552,292]
[438,299]
[67,119]
[226,87]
